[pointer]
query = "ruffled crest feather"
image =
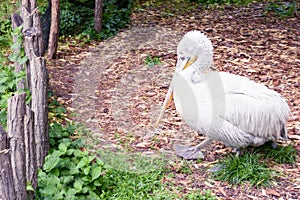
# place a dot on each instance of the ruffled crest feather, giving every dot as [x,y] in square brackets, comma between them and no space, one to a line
[195,43]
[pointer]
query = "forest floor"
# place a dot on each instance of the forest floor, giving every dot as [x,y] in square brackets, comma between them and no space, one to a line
[118,95]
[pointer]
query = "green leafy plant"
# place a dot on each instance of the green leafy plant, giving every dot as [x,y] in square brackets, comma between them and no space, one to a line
[5,34]
[69,20]
[56,112]
[151,61]
[224,2]
[9,78]
[77,18]
[166,8]
[7,7]
[8,82]
[282,9]
[71,171]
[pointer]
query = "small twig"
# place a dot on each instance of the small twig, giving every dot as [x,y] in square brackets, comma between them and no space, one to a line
[4,151]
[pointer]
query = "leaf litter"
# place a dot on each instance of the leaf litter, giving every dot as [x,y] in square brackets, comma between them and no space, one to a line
[111,89]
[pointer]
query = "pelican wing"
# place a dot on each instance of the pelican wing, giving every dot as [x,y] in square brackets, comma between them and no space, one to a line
[253,112]
[230,108]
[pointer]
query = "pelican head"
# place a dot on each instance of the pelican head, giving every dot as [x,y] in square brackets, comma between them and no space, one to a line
[194,48]
[195,44]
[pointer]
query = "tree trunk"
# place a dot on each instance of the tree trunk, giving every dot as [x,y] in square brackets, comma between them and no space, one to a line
[17,151]
[7,188]
[98,16]
[26,143]
[30,151]
[39,106]
[15,131]
[54,29]
[33,45]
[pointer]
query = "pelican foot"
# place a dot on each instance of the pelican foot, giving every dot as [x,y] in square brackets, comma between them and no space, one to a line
[274,145]
[216,168]
[238,152]
[188,152]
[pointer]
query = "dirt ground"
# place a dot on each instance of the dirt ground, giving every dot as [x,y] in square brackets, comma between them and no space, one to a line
[118,96]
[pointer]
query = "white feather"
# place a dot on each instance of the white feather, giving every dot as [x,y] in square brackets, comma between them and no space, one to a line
[226,107]
[195,43]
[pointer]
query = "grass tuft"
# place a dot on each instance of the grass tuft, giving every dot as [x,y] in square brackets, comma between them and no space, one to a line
[253,165]
[245,168]
[280,154]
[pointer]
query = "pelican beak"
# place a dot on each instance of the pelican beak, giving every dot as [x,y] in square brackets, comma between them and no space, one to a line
[181,65]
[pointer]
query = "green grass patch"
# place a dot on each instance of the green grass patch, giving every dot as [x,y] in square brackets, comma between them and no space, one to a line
[245,168]
[254,165]
[73,171]
[280,154]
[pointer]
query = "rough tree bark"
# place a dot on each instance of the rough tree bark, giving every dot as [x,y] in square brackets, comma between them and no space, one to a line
[33,45]
[15,131]
[26,143]
[98,15]
[7,188]
[30,150]
[54,29]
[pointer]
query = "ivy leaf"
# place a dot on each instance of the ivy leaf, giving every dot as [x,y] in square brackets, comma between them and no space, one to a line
[50,190]
[51,162]
[2,88]
[86,170]
[70,152]
[74,170]
[3,80]
[93,195]
[78,185]
[77,153]
[72,191]
[96,172]
[63,147]
[97,183]
[91,158]
[86,179]
[84,161]
[52,183]
[67,179]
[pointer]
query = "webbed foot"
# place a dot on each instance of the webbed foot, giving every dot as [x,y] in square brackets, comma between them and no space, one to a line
[216,168]
[188,152]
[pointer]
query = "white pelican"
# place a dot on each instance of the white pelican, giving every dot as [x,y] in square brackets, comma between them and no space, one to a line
[224,107]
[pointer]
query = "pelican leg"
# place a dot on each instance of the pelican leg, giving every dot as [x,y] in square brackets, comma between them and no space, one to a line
[191,152]
[274,145]
[238,152]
